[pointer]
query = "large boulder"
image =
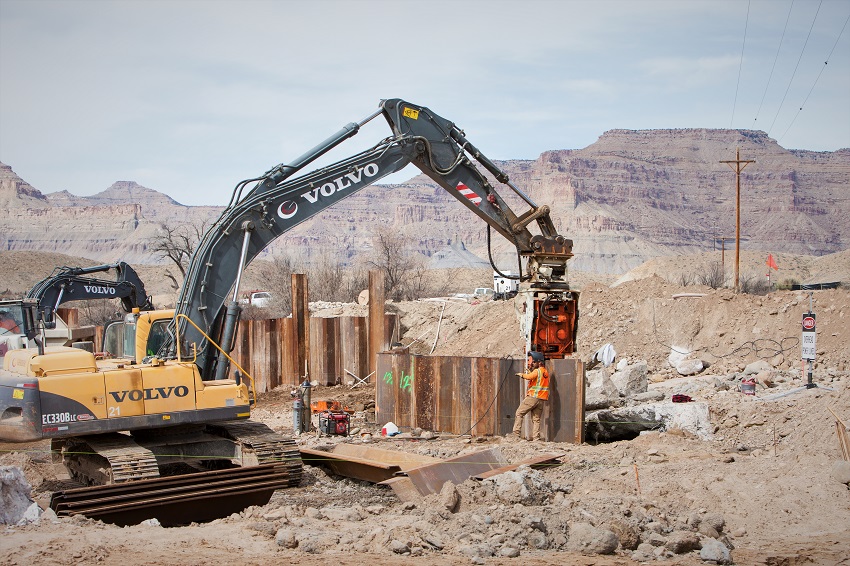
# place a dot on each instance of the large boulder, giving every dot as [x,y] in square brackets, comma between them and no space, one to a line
[690,367]
[630,379]
[600,391]
[587,539]
[16,504]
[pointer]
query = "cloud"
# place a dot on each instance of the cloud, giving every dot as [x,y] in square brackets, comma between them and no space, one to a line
[683,73]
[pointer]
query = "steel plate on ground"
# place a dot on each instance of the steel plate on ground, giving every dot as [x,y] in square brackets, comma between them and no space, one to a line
[431,477]
[175,500]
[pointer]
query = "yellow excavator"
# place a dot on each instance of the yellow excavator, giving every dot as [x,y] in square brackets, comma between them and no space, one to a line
[167,431]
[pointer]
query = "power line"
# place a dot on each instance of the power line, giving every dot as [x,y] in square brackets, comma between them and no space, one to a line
[775,59]
[796,67]
[740,66]
[828,57]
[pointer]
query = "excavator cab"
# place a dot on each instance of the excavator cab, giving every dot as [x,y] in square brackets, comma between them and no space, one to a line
[138,335]
[18,324]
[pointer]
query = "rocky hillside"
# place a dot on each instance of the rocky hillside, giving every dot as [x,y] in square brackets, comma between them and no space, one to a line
[629,197]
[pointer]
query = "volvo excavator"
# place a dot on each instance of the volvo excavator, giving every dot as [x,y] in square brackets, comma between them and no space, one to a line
[179,418]
[33,321]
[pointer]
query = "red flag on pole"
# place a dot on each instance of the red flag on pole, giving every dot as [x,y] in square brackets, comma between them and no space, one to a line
[770,262]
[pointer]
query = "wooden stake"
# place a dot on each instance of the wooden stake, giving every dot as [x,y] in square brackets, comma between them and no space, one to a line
[637,479]
[843,436]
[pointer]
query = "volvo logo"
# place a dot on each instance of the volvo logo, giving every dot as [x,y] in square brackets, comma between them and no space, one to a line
[149,394]
[287,209]
[99,289]
[340,183]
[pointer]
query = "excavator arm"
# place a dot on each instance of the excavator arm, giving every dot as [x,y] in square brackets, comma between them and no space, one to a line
[71,284]
[276,203]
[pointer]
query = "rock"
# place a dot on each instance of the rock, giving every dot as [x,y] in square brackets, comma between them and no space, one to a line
[449,497]
[309,545]
[49,515]
[433,541]
[757,367]
[677,355]
[509,552]
[587,539]
[600,391]
[31,515]
[538,540]
[707,530]
[715,551]
[765,378]
[264,527]
[14,495]
[649,396]
[628,535]
[690,367]
[475,550]
[510,487]
[399,547]
[715,521]
[841,471]
[348,514]
[631,379]
[682,542]
[654,527]
[285,538]
[643,552]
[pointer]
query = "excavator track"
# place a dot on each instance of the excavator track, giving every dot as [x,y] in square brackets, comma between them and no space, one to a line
[105,459]
[261,442]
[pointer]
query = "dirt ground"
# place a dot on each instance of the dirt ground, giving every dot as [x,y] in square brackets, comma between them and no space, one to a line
[765,485]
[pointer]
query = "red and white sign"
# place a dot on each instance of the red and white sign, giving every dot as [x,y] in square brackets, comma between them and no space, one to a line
[809,338]
[808,322]
[469,193]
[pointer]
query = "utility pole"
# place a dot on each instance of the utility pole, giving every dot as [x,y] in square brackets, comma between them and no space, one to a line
[739,166]
[723,253]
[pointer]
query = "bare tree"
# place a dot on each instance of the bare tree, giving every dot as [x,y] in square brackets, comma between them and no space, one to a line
[177,243]
[713,276]
[326,280]
[753,284]
[391,255]
[277,278]
[98,312]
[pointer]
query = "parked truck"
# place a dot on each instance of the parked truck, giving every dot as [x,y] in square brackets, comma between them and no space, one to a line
[505,285]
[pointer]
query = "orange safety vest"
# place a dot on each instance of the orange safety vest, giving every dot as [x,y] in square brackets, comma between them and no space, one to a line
[538,385]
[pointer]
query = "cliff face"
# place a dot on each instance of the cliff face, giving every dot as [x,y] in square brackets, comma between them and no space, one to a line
[630,196]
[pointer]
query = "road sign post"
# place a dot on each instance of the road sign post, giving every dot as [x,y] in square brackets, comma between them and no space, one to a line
[809,344]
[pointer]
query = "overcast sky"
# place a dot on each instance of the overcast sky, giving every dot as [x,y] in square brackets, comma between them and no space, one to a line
[188,97]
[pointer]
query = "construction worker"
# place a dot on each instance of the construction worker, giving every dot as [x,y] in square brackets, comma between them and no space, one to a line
[536,395]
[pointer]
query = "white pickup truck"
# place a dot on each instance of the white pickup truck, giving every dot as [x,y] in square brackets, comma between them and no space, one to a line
[480,293]
[259,299]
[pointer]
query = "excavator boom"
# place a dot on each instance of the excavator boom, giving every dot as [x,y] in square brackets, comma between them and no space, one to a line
[277,203]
